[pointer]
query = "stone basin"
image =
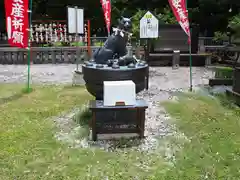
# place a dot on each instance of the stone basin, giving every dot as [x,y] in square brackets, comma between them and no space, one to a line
[95,74]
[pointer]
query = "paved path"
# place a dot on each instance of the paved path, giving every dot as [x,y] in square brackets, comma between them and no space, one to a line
[164,77]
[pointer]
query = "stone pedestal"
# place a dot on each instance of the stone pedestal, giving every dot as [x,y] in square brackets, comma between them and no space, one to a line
[176,59]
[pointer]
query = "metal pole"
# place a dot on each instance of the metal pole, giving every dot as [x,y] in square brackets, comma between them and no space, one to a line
[88,38]
[190,51]
[76,10]
[29,45]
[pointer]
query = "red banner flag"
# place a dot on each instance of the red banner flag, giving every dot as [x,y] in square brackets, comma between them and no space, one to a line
[181,14]
[17,22]
[106,6]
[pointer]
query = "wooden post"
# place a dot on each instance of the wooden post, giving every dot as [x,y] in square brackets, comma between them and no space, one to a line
[142,122]
[147,79]
[147,50]
[88,38]
[94,133]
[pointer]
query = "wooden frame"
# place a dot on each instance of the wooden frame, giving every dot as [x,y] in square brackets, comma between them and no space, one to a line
[139,108]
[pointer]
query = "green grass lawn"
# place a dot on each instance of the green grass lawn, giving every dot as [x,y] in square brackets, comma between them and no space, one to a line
[29,150]
[214,150]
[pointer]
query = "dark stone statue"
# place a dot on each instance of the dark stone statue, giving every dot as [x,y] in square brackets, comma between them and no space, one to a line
[115,46]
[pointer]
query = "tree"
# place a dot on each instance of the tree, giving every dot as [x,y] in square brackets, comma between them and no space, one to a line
[234,24]
[210,15]
[165,16]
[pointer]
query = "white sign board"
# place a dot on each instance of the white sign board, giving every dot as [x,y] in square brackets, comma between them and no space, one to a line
[149,26]
[75,20]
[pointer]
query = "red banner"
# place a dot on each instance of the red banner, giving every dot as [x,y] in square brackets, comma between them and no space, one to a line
[106,6]
[17,22]
[181,14]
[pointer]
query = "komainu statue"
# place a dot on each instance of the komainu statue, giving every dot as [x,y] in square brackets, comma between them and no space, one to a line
[115,47]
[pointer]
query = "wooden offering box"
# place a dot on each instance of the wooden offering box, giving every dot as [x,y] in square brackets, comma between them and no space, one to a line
[117,119]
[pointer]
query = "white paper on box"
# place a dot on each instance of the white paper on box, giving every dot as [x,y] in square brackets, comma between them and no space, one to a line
[119,91]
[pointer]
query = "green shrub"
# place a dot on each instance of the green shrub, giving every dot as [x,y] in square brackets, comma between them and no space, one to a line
[224,72]
[77,44]
[220,36]
[100,43]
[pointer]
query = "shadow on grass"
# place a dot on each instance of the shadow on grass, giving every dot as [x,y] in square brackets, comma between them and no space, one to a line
[82,117]
[221,96]
[73,86]
[229,103]
[225,101]
[125,143]
[15,96]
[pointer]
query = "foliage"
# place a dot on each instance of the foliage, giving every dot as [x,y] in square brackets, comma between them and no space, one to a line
[211,15]
[166,16]
[136,23]
[234,23]
[219,36]
[98,43]
[77,44]
[224,72]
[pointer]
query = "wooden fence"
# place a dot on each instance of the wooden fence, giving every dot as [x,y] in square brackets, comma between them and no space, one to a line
[57,55]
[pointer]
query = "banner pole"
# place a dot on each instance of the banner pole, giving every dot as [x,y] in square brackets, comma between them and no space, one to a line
[29,45]
[190,64]
[190,50]
[88,38]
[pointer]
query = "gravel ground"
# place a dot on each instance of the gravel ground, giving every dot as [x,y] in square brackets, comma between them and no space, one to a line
[163,77]
[163,83]
[46,73]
